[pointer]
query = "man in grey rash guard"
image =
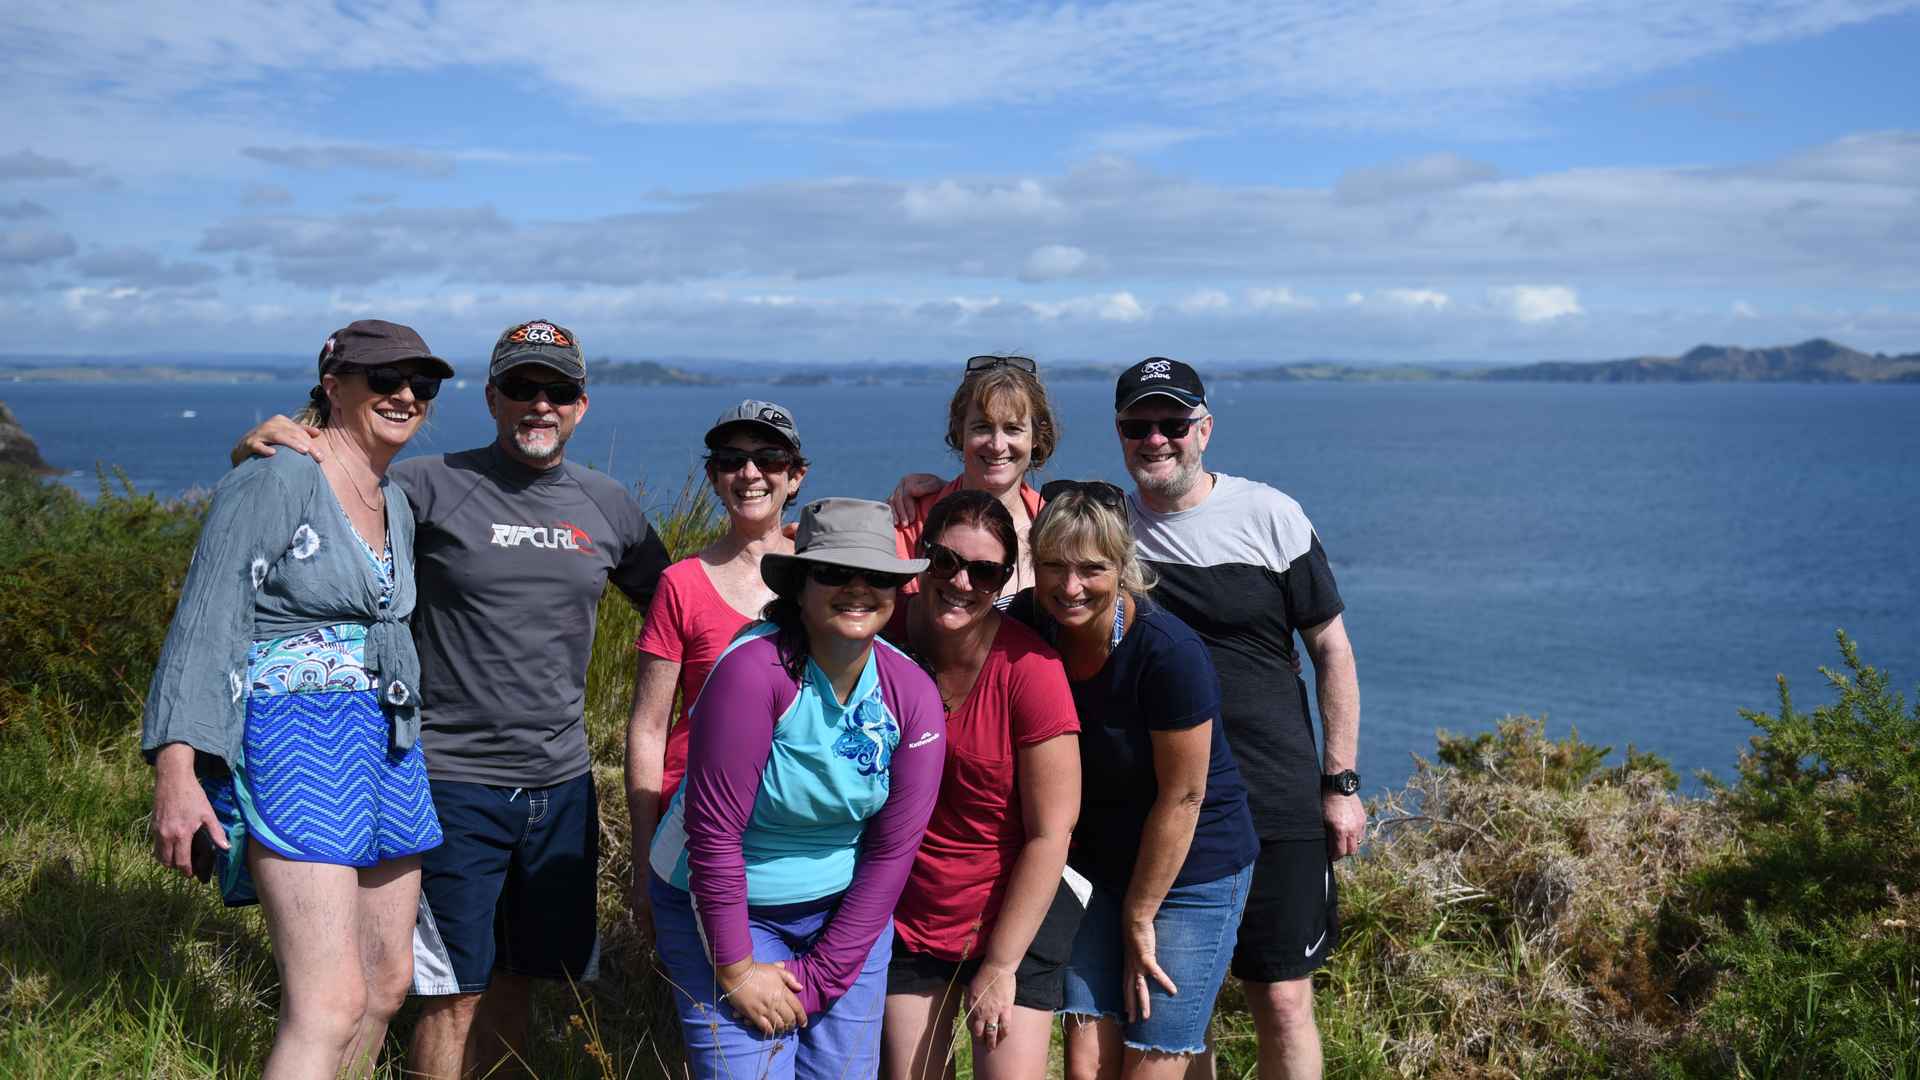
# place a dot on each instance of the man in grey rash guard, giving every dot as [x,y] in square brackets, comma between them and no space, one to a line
[514,547]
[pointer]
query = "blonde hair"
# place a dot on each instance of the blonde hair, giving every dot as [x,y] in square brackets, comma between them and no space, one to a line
[1074,523]
[1005,386]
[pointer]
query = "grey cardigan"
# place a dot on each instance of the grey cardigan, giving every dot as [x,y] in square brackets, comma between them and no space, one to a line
[277,557]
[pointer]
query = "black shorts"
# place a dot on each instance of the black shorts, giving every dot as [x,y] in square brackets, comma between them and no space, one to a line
[1039,981]
[510,889]
[1293,913]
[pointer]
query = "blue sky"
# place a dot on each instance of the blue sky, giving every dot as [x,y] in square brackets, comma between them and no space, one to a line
[1225,182]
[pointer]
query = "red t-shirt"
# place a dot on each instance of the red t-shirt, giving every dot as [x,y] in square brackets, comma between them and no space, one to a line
[960,875]
[689,622]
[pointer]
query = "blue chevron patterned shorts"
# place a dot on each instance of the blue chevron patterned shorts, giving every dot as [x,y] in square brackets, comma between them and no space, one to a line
[319,782]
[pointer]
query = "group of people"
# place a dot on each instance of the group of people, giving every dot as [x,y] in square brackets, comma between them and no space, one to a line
[987,755]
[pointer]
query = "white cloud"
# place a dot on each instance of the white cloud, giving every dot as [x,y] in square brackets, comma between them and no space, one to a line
[951,202]
[398,159]
[1434,172]
[1051,262]
[1744,310]
[1110,307]
[34,245]
[1536,303]
[1428,299]
[1280,297]
[1205,300]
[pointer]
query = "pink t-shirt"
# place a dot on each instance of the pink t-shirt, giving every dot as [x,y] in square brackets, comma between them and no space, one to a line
[959,877]
[691,624]
[906,538]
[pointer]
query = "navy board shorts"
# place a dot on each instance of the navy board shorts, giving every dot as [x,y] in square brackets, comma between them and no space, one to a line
[510,889]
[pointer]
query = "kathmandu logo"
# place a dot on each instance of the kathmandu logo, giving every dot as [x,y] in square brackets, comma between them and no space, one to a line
[560,536]
[1157,369]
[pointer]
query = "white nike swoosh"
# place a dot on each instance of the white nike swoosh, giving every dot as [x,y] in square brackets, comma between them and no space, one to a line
[1311,949]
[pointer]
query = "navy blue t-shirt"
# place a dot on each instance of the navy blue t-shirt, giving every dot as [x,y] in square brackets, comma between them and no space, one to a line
[1160,678]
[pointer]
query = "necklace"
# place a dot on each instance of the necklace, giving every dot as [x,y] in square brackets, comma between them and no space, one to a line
[376,507]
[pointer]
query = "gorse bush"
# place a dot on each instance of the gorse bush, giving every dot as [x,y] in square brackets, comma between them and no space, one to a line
[1813,923]
[86,591]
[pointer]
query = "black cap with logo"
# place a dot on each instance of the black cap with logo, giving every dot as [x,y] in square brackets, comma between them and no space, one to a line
[538,342]
[373,342]
[1159,375]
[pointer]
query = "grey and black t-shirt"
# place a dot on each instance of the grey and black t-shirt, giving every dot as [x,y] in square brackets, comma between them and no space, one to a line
[511,562]
[1245,570]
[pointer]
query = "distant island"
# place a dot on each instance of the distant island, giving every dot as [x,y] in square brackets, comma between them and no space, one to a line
[1816,361]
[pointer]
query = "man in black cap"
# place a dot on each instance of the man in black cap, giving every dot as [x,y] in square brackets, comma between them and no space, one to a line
[1239,562]
[513,549]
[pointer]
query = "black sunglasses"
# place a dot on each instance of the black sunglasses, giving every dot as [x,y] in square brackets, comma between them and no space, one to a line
[564,392]
[835,576]
[387,379]
[1107,495]
[977,364]
[1173,427]
[945,563]
[768,459]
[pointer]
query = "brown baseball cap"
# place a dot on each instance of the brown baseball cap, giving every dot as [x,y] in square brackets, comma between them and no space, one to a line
[373,342]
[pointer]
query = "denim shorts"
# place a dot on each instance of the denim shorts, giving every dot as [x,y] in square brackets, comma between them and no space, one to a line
[1194,933]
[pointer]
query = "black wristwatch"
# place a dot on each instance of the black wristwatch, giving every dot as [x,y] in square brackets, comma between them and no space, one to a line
[1344,783]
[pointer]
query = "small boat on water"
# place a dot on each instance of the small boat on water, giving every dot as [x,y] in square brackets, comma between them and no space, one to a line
[188,414]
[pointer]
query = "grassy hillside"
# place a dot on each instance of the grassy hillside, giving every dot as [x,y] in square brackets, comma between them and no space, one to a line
[1526,907]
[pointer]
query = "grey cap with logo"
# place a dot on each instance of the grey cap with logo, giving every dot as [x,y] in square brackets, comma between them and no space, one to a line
[760,417]
[538,342]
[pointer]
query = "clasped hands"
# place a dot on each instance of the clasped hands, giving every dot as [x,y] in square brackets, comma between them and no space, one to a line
[765,996]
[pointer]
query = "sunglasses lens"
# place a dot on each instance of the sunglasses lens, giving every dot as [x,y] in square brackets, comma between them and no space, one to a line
[558,393]
[830,576]
[425,387]
[383,380]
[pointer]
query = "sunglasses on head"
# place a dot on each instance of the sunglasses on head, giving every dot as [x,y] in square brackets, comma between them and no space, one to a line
[977,364]
[834,577]
[1107,495]
[945,563]
[768,459]
[518,388]
[1173,427]
[387,379]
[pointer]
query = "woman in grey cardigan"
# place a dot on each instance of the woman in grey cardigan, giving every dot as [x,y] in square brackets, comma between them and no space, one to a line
[282,718]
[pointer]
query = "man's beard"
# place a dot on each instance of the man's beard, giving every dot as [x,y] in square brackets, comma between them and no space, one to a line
[1171,487]
[544,450]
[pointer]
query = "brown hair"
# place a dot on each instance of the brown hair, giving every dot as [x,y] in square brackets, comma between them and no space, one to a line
[1000,386]
[975,508]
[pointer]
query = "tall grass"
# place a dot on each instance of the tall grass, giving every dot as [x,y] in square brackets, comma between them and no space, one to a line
[1524,907]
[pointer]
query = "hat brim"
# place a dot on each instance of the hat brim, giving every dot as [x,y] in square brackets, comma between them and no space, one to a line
[717,434]
[778,570]
[567,366]
[428,362]
[1191,401]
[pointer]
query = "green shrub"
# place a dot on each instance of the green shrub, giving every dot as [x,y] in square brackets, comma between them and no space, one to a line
[86,593]
[1812,923]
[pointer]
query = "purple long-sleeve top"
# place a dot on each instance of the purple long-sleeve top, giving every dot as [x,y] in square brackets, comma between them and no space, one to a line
[792,797]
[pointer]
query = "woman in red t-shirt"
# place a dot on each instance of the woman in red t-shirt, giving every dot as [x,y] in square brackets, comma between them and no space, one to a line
[1001,424]
[755,467]
[986,922]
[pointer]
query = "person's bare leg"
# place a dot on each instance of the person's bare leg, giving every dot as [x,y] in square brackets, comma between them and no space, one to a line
[1022,1052]
[498,1044]
[1154,1065]
[917,1035]
[1201,1066]
[310,910]
[1283,1020]
[1094,1048]
[389,898]
[439,1047]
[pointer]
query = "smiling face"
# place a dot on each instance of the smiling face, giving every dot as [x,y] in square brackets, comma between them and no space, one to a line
[379,422]
[853,612]
[1165,469]
[534,432]
[1077,587]
[752,497]
[958,602]
[996,441]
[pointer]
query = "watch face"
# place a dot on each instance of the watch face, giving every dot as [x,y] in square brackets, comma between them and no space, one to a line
[1346,783]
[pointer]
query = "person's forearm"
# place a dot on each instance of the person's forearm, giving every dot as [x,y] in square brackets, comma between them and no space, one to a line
[646,754]
[1337,685]
[1030,890]
[1163,850]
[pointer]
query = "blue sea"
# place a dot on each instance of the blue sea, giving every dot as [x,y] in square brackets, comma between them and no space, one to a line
[1636,561]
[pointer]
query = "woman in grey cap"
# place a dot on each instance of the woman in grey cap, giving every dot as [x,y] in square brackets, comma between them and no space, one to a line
[754,464]
[815,758]
[282,718]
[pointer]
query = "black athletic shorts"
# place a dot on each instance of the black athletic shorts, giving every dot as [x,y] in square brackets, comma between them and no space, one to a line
[1293,913]
[1038,983]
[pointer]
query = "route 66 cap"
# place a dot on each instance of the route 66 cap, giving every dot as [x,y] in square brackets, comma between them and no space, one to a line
[538,342]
